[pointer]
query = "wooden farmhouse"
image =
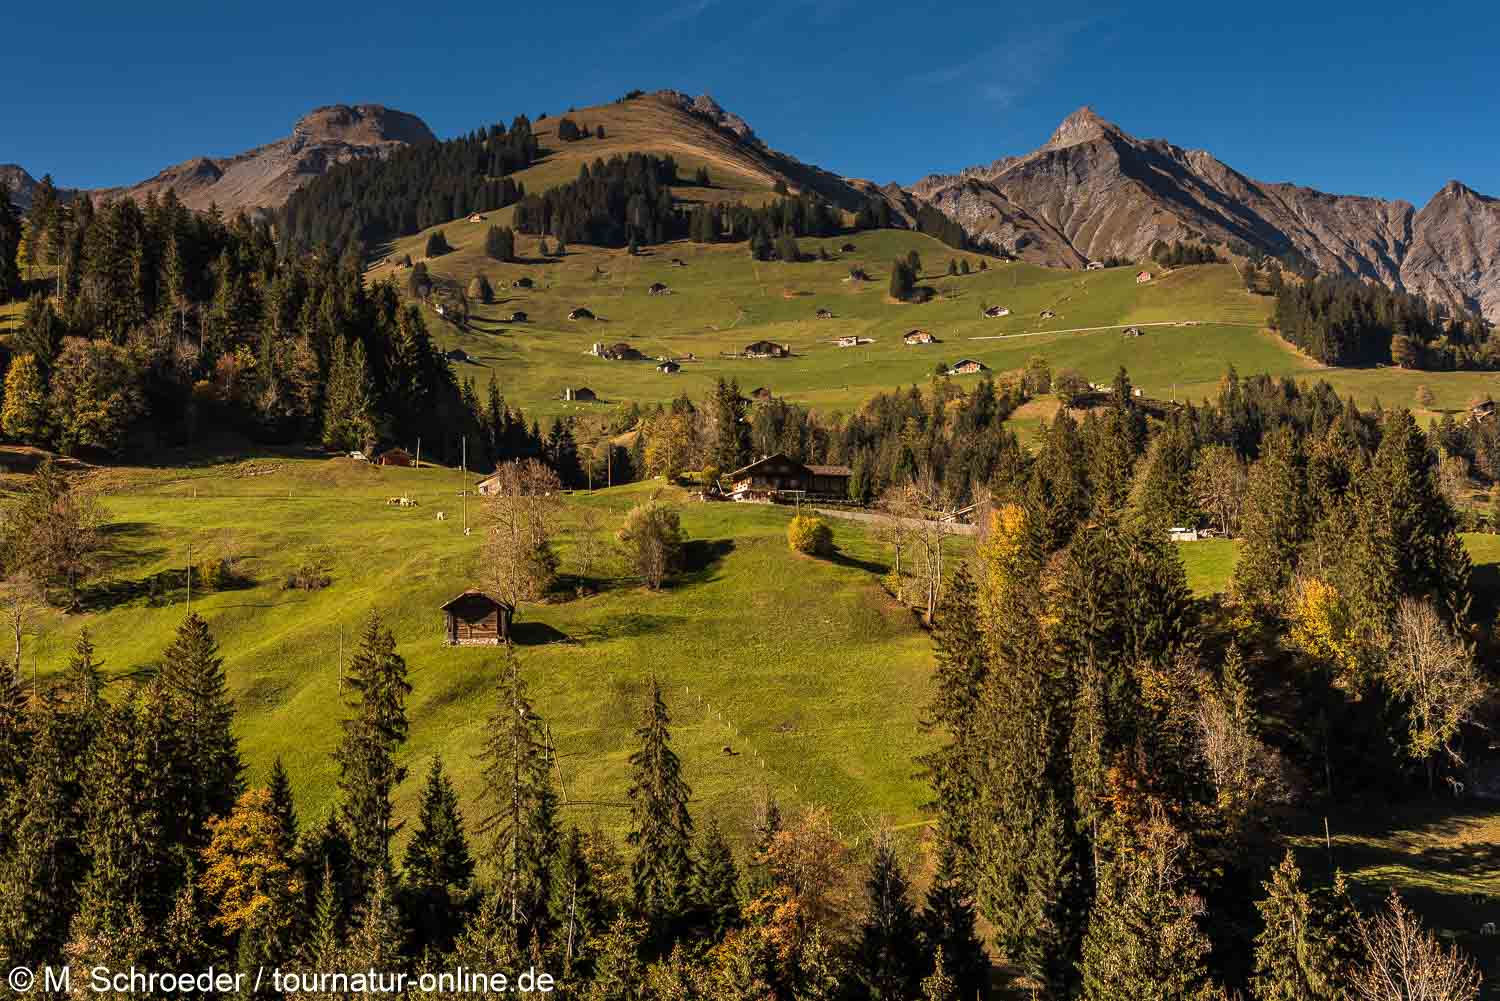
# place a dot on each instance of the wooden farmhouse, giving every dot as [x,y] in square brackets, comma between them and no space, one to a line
[918,337]
[1142,277]
[995,312]
[780,477]
[968,366]
[579,394]
[476,619]
[581,313]
[518,317]
[767,349]
[668,367]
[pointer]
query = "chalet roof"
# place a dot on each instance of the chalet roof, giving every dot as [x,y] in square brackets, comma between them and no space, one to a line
[775,456]
[473,592]
[830,470]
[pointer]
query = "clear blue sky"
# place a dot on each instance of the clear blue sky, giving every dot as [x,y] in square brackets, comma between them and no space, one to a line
[1377,97]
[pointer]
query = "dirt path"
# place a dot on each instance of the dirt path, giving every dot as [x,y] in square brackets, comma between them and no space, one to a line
[1112,326]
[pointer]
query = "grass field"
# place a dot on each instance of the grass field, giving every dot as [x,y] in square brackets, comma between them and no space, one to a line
[803,668]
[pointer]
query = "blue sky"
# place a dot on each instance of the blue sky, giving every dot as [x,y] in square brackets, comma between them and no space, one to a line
[1372,98]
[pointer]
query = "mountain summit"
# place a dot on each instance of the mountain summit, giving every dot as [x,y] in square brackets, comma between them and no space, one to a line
[1081,126]
[263,177]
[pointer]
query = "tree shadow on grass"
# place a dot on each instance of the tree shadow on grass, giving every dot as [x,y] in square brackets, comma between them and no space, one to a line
[525,633]
[1485,582]
[855,563]
[623,626]
[701,558]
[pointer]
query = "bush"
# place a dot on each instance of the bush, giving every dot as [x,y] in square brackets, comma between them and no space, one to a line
[652,537]
[810,535]
[437,244]
[311,572]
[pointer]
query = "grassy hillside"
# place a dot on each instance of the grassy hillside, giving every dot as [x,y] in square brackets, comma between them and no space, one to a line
[803,668]
[722,300]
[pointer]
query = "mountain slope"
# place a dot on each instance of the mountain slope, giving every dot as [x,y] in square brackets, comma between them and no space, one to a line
[1093,191]
[263,177]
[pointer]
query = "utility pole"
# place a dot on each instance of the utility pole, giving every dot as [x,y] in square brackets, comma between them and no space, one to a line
[419,451]
[464,473]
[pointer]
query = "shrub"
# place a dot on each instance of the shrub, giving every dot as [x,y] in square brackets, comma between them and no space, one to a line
[211,574]
[437,244]
[311,572]
[652,537]
[810,535]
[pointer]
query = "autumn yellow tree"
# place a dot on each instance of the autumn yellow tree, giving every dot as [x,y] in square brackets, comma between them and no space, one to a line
[247,873]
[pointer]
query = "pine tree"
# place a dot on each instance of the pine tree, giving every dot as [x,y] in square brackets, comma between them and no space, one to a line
[437,245]
[582,910]
[500,244]
[1274,524]
[891,955]
[437,865]
[716,879]
[959,646]
[193,673]
[324,942]
[283,807]
[376,939]
[619,974]
[374,731]
[661,826]
[731,430]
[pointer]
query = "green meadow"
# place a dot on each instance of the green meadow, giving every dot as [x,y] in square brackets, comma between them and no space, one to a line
[783,673]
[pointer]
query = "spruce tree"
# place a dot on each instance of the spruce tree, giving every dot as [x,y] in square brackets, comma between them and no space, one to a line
[520,806]
[283,806]
[891,956]
[376,939]
[1274,524]
[193,673]
[661,826]
[582,910]
[437,865]
[716,882]
[938,985]
[349,404]
[959,646]
[948,929]
[374,730]
[1303,952]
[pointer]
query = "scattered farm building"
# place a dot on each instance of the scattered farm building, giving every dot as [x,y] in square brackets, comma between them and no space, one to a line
[995,312]
[669,368]
[522,283]
[476,217]
[1142,277]
[1132,332]
[767,349]
[848,341]
[476,619]
[580,313]
[777,477]
[919,337]
[1183,534]
[1096,265]
[396,457]
[619,351]
[825,314]
[579,394]
[1048,314]
[967,366]
[678,262]
[517,317]
[847,248]
[657,288]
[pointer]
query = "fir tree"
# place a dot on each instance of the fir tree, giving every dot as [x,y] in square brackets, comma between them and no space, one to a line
[938,985]
[437,865]
[716,891]
[891,955]
[520,807]
[376,940]
[374,730]
[948,929]
[1303,952]
[283,807]
[349,408]
[193,673]
[661,827]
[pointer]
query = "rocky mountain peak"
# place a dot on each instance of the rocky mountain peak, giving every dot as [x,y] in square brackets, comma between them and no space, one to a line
[362,124]
[705,106]
[1083,125]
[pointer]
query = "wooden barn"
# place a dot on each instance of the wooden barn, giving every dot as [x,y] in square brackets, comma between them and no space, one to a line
[581,313]
[476,619]
[579,394]
[522,283]
[669,367]
[396,457]
[518,317]
[767,349]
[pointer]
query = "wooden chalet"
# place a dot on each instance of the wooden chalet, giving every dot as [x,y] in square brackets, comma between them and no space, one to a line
[779,477]
[967,366]
[668,367]
[657,288]
[825,314]
[995,312]
[919,337]
[476,619]
[579,394]
[581,313]
[518,317]
[1142,277]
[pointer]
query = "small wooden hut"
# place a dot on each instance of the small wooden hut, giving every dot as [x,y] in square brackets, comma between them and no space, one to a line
[476,619]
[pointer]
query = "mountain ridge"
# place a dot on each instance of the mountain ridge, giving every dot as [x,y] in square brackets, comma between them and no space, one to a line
[1094,191]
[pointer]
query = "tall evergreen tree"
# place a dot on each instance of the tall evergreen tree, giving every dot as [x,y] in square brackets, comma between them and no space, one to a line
[349,408]
[661,826]
[374,730]
[716,882]
[948,929]
[193,673]
[437,865]
[892,957]
[1305,951]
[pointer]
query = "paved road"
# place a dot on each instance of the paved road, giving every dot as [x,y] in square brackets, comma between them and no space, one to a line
[1112,326]
[834,512]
